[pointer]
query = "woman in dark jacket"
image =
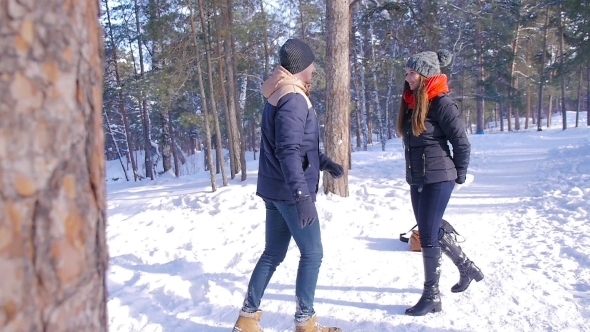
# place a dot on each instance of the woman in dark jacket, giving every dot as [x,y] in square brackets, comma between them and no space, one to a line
[428,120]
[288,176]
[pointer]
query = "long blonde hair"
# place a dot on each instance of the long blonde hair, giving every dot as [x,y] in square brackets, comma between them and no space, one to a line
[421,106]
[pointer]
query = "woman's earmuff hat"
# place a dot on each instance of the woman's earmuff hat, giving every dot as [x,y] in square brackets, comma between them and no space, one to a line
[295,55]
[428,63]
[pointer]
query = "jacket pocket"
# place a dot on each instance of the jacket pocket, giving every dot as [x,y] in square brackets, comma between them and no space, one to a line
[423,164]
[304,162]
[311,162]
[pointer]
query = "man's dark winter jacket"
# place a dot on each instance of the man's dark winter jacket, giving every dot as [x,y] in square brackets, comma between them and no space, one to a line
[290,159]
[428,157]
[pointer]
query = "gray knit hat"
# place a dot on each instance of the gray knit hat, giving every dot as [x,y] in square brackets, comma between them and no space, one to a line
[428,63]
[296,55]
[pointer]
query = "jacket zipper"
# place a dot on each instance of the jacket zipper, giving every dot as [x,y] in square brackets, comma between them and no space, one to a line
[423,164]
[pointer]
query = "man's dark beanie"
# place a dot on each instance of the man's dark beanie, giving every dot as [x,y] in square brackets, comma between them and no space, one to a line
[295,55]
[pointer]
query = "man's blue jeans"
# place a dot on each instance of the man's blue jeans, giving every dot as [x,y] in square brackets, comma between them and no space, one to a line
[282,224]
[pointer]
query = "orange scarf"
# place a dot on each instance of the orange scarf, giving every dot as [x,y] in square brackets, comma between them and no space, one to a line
[435,85]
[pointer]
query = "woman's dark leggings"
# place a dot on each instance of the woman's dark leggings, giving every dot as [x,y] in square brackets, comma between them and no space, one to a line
[429,206]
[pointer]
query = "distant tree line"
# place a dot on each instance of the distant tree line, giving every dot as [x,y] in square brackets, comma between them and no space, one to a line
[183,76]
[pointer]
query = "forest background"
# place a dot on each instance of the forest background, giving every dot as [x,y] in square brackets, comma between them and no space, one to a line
[183,76]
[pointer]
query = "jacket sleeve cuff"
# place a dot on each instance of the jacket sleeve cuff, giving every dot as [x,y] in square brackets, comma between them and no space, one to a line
[301,194]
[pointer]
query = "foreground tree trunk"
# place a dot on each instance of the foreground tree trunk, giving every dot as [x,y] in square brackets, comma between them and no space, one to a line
[337,135]
[53,253]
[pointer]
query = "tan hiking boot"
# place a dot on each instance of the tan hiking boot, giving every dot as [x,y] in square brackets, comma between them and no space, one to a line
[248,322]
[312,326]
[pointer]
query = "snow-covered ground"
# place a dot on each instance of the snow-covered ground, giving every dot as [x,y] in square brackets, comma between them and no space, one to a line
[181,256]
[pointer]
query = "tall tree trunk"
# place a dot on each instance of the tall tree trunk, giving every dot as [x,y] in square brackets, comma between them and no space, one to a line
[495,115]
[580,77]
[469,122]
[512,88]
[480,80]
[234,126]
[542,70]
[528,105]
[110,130]
[588,95]
[509,114]
[156,40]
[501,107]
[467,114]
[147,139]
[355,81]
[362,96]
[370,122]
[357,112]
[218,139]
[302,20]
[357,100]
[175,150]
[370,106]
[389,106]
[337,135]
[166,141]
[208,158]
[265,36]
[238,143]
[238,110]
[122,109]
[516,109]
[562,63]
[229,114]
[550,111]
[253,138]
[53,253]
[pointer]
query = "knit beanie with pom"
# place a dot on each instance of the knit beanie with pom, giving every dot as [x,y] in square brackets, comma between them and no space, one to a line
[429,63]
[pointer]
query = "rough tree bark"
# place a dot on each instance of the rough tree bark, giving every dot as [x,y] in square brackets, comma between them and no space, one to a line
[337,135]
[53,253]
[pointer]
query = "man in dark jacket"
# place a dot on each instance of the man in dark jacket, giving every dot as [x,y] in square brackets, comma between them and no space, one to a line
[288,177]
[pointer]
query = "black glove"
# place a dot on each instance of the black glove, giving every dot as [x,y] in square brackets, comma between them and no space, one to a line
[334,169]
[306,211]
[460,178]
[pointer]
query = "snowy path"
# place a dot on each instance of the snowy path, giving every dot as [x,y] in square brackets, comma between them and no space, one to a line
[181,257]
